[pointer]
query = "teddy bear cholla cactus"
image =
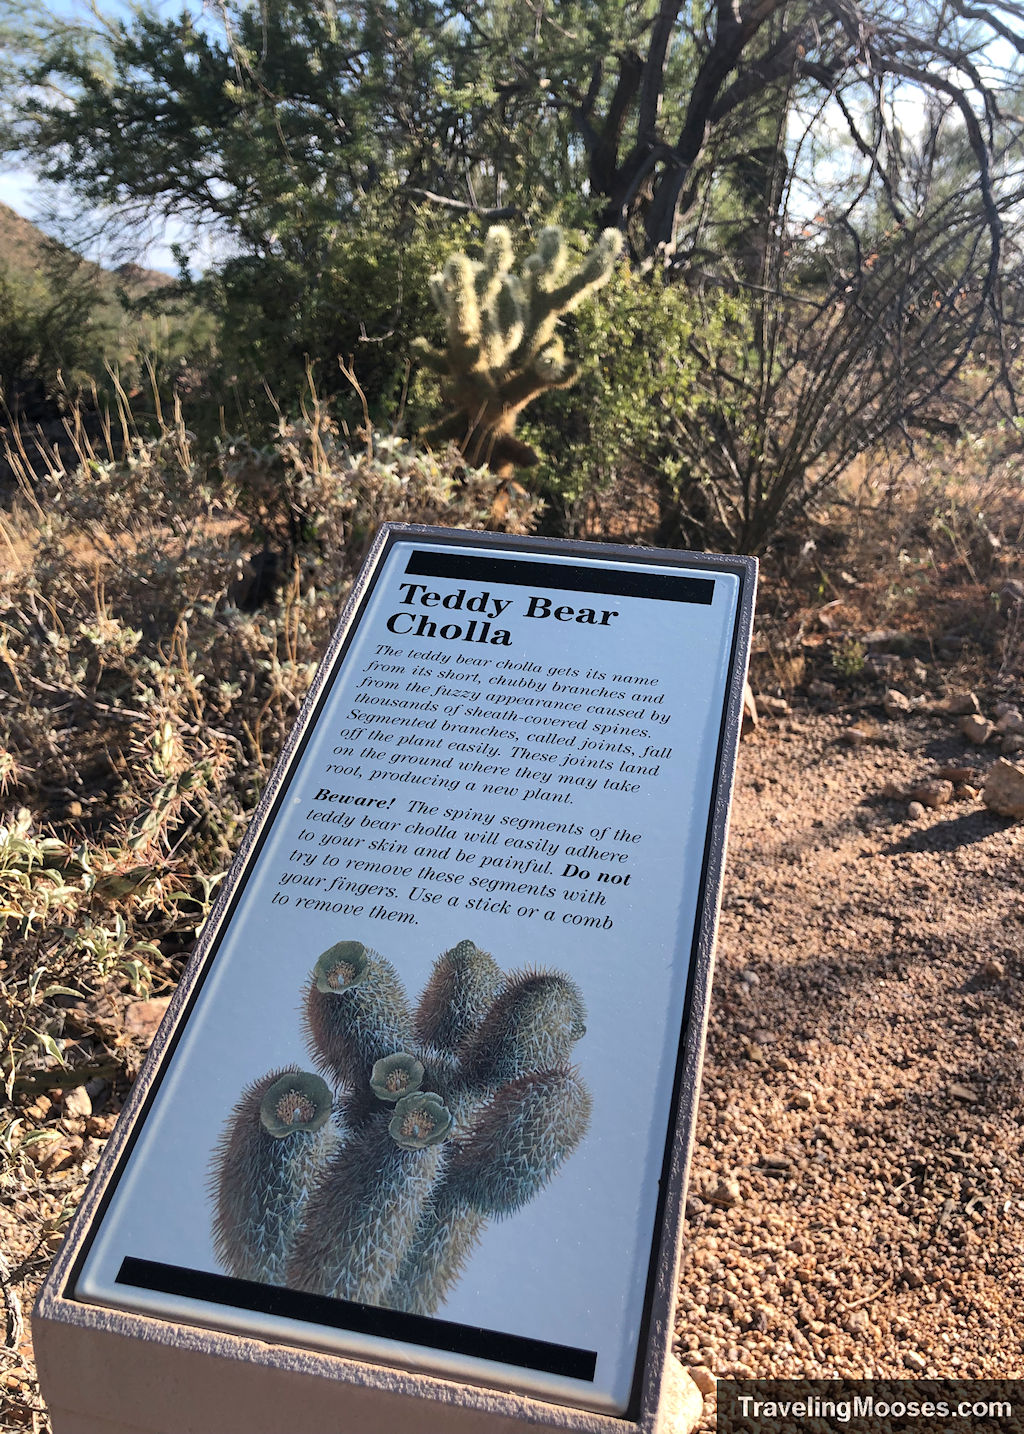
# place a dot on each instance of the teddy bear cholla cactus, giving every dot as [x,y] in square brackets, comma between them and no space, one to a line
[502,349]
[442,1118]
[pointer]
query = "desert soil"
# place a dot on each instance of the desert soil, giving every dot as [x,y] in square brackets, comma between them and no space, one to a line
[856,1193]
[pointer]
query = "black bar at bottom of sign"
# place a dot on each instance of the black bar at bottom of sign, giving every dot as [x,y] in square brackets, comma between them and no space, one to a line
[515,1349]
[616,582]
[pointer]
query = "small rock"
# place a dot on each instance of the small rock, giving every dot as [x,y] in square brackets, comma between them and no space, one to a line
[1009,723]
[976,729]
[40,1107]
[915,1361]
[860,733]
[896,703]
[957,704]
[777,1162]
[704,1380]
[993,970]
[804,1099]
[1010,745]
[750,977]
[883,662]
[726,1193]
[823,691]
[915,811]
[964,1093]
[141,1018]
[1004,789]
[912,1278]
[77,1103]
[932,794]
[856,1322]
[964,792]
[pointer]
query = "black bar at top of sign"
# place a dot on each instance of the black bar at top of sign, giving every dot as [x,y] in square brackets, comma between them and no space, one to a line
[561,1359]
[617,582]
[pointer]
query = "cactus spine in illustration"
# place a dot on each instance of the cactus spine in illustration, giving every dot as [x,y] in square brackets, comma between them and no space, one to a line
[378,1187]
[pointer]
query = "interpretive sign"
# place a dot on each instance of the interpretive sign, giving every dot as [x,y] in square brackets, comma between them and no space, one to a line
[425,1099]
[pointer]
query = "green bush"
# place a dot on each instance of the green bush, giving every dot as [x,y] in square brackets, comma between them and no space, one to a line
[639,351]
[51,335]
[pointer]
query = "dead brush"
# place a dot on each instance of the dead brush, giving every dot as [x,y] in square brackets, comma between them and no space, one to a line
[141,708]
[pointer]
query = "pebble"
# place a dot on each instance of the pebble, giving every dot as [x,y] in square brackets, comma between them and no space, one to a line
[726,1193]
[141,1018]
[1004,789]
[976,729]
[804,1099]
[932,794]
[993,969]
[915,1361]
[77,1103]
[704,1379]
[896,703]
[963,1092]
[915,811]
[1009,721]
[957,704]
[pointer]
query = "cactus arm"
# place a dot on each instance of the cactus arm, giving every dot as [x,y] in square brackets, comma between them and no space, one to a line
[462,987]
[433,358]
[356,1012]
[517,1141]
[448,1232]
[533,1025]
[363,1216]
[261,1181]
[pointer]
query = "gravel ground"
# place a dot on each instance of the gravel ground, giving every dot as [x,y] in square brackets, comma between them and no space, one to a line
[856,1191]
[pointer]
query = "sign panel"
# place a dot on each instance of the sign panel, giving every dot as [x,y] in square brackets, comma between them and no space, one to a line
[421,1107]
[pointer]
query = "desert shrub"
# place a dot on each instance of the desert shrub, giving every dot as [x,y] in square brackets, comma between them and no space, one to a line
[358,290]
[143,707]
[51,333]
[641,354]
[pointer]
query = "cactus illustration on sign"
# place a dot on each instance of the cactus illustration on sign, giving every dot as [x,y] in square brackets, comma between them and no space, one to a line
[440,1119]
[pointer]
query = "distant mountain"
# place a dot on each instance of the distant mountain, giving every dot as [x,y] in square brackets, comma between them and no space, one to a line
[23,249]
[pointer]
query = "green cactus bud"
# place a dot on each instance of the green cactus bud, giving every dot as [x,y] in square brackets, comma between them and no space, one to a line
[275,1144]
[420,1119]
[297,1101]
[395,1076]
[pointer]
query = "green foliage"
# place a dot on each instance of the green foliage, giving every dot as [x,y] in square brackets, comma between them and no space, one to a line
[502,349]
[399,1198]
[50,330]
[356,292]
[640,364]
